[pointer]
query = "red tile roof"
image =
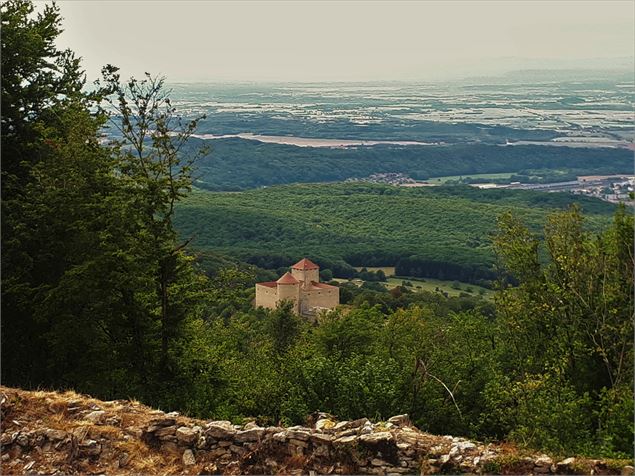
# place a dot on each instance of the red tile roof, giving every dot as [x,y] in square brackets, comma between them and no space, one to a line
[305,264]
[269,284]
[322,285]
[287,278]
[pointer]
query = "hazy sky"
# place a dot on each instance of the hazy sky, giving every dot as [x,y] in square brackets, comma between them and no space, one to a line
[360,40]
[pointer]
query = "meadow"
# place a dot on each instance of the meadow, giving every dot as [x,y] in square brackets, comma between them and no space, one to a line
[451,288]
[480,177]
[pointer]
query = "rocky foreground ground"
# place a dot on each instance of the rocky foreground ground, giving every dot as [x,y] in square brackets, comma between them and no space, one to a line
[67,433]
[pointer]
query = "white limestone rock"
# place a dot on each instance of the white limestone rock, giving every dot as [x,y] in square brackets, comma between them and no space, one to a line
[186,435]
[188,458]
[220,429]
[96,416]
[254,434]
[400,420]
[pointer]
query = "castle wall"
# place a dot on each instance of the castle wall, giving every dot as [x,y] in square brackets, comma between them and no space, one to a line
[266,297]
[290,292]
[306,275]
[327,297]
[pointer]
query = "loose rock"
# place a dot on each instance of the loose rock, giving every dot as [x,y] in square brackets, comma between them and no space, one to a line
[400,420]
[188,458]
[164,421]
[55,435]
[186,435]
[124,458]
[153,437]
[165,431]
[249,435]
[96,416]
[220,429]
[324,424]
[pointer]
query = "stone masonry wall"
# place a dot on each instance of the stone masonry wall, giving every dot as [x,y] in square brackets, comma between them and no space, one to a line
[266,297]
[50,433]
[325,298]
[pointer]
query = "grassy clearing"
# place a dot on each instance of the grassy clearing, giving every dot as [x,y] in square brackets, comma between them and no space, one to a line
[441,180]
[453,288]
[429,284]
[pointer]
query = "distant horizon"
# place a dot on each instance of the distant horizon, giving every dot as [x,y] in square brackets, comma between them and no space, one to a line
[348,41]
[588,74]
[458,79]
[500,75]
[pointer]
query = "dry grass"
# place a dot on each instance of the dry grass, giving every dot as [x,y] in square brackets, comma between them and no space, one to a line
[37,410]
[150,463]
[66,411]
[295,462]
[32,413]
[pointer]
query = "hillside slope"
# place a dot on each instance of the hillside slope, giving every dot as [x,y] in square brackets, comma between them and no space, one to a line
[369,225]
[67,433]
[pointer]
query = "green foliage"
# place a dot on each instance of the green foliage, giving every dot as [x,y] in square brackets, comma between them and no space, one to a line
[244,164]
[95,287]
[284,327]
[39,82]
[542,411]
[615,421]
[57,187]
[326,275]
[157,175]
[568,328]
[442,233]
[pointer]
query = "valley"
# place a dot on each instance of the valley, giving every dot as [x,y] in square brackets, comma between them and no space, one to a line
[549,107]
[417,258]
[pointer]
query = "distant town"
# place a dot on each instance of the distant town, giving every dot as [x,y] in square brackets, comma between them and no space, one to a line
[611,188]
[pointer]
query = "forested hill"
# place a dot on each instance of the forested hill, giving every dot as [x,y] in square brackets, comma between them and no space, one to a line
[439,232]
[237,164]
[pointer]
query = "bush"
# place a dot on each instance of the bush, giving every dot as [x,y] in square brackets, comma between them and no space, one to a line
[541,411]
[615,417]
[326,275]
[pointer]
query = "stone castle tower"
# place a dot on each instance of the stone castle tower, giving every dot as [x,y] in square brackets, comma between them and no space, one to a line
[302,287]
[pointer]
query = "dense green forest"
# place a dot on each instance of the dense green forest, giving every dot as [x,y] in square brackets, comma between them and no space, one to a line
[388,128]
[100,293]
[437,232]
[238,164]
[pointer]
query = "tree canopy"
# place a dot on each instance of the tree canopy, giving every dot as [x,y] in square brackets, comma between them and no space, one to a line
[95,285]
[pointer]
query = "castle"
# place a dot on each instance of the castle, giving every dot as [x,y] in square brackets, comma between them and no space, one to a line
[302,287]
